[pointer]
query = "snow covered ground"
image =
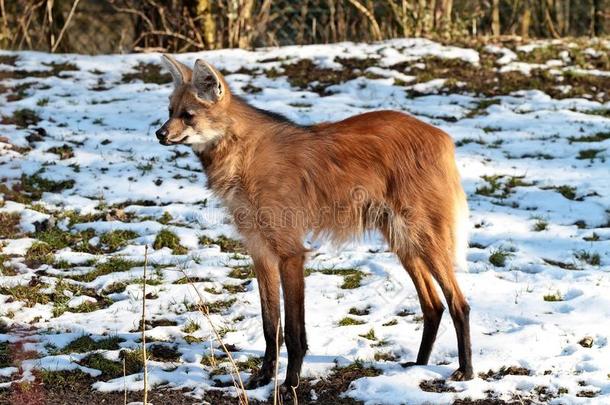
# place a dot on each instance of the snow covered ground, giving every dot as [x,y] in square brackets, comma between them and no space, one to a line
[535,169]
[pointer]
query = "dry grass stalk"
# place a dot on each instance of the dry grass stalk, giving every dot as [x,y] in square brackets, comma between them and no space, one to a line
[63,29]
[212,356]
[235,376]
[144,359]
[124,382]
[276,392]
[374,25]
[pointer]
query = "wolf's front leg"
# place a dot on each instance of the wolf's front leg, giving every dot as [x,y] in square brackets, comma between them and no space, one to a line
[293,286]
[267,276]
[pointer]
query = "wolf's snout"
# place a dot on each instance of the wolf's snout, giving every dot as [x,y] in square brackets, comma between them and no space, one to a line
[161,133]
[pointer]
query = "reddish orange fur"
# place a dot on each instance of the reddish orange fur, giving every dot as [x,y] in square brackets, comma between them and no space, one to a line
[382,170]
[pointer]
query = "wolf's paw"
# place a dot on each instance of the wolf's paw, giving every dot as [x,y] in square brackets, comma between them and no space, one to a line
[287,393]
[258,379]
[462,374]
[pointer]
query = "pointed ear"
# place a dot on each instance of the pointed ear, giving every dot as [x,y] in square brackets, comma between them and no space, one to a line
[180,72]
[208,82]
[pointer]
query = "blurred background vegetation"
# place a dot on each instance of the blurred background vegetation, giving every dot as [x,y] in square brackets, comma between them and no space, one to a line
[109,26]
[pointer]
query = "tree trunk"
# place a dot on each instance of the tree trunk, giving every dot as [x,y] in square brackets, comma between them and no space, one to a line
[600,17]
[550,24]
[442,16]
[420,18]
[495,17]
[208,26]
[526,19]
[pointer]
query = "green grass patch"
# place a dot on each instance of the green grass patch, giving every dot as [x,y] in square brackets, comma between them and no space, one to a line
[498,257]
[352,278]
[540,225]
[588,257]
[61,379]
[348,321]
[116,287]
[466,141]
[561,265]
[190,339]
[85,307]
[384,356]
[252,363]
[6,268]
[242,272]
[581,224]
[77,218]
[9,225]
[357,370]
[166,238]
[22,118]
[15,193]
[589,154]
[195,279]
[191,326]
[114,369]
[38,254]
[540,55]
[110,369]
[405,312]
[220,306]
[535,155]
[33,186]
[64,151]
[8,59]
[6,359]
[236,288]
[114,264]
[555,297]
[370,335]
[117,239]
[225,243]
[86,344]
[65,290]
[30,295]
[59,239]
[352,281]
[166,218]
[568,192]
[501,186]
[359,312]
[481,106]
[598,137]
[592,238]
[604,112]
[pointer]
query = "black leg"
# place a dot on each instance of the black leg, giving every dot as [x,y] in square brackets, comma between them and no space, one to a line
[293,285]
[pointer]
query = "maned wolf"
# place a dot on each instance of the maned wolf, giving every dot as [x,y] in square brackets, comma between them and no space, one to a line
[381,170]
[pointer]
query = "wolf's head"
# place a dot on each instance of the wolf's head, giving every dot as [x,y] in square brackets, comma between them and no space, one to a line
[197,107]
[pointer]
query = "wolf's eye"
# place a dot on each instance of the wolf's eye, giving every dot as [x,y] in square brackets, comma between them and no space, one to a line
[186,116]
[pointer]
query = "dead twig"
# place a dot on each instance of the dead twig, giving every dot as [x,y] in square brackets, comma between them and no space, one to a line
[144,359]
[276,392]
[235,376]
[63,29]
[124,382]
[371,17]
